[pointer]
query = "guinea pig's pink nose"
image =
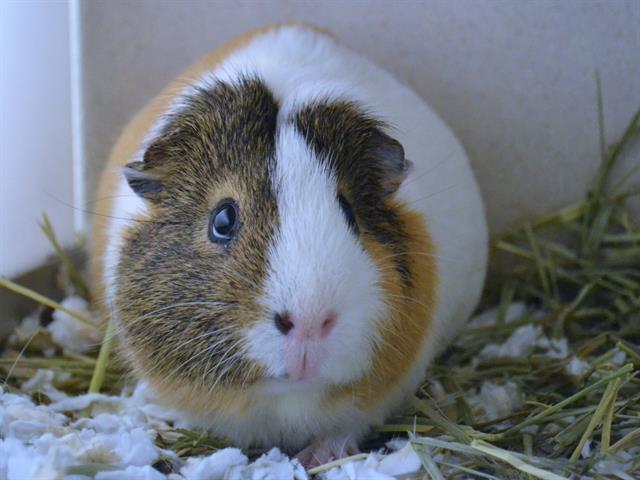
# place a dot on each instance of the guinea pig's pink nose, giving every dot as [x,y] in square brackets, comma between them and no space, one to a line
[306,327]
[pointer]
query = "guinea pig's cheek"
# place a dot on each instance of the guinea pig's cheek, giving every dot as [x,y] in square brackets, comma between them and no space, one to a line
[351,346]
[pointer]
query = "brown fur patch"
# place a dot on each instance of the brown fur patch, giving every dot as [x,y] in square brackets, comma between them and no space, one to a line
[175,288]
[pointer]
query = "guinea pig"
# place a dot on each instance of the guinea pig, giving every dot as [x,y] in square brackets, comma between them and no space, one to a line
[286,236]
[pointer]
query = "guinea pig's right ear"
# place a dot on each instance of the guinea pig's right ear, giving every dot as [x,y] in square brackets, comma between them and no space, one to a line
[395,166]
[146,177]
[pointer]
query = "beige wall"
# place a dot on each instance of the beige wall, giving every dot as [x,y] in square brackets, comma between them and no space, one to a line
[513,79]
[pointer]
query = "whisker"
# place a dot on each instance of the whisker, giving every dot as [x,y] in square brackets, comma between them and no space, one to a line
[210,350]
[423,254]
[214,303]
[229,363]
[236,354]
[203,335]
[190,359]
[106,197]
[433,194]
[105,215]
[407,298]
[429,170]
[122,327]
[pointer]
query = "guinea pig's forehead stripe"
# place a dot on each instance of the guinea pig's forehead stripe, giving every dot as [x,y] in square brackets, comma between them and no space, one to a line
[342,135]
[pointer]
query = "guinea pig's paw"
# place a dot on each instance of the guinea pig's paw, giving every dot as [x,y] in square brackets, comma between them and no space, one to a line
[324,451]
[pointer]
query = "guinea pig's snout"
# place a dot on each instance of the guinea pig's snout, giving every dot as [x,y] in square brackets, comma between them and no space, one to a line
[305,327]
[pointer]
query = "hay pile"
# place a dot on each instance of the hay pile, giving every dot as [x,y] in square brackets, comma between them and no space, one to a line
[543,384]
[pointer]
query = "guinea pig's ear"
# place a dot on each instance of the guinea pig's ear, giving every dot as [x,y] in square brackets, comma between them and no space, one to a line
[395,167]
[146,177]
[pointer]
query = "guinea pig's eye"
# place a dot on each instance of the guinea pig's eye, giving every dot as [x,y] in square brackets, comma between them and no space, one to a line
[348,214]
[224,222]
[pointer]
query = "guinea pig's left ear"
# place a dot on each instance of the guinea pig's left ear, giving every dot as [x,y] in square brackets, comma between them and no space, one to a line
[146,177]
[395,167]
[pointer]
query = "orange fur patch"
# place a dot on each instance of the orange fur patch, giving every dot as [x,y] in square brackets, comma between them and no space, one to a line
[411,312]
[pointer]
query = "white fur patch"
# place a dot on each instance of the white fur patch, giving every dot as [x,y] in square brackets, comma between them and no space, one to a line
[316,267]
